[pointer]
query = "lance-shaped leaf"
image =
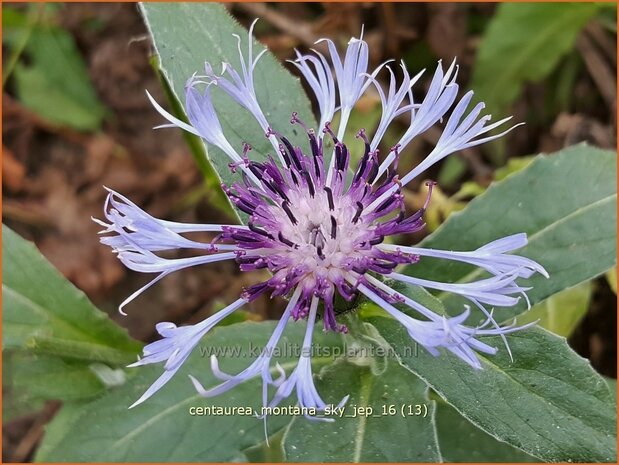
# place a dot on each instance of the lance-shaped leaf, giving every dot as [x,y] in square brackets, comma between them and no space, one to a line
[45,313]
[548,402]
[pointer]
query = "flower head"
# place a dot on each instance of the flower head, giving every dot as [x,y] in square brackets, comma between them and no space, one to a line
[318,222]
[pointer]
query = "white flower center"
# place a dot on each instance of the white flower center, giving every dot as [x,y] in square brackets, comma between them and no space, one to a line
[326,241]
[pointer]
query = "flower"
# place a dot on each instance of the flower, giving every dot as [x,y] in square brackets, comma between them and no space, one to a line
[319,227]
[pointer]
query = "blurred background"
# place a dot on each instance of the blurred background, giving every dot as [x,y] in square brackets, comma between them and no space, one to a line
[76,118]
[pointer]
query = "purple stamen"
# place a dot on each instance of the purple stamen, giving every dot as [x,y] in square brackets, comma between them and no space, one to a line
[294,119]
[327,130]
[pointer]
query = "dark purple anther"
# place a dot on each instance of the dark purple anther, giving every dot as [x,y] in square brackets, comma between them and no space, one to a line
[330,198]
[283,240]
[286,207]
[358,212]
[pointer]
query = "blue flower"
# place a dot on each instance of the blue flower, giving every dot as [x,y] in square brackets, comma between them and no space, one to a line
[319,227]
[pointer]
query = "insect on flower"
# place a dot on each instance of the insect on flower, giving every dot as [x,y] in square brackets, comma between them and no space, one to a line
[318,224]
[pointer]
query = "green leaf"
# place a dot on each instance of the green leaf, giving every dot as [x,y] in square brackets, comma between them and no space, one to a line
[55,83]
[163,429]
[612,385]
[565,203]
[45,314]
[461,441]
[186,35]
[17,402]
[389,432]
[48,377]
[562,312]
[524,42]
[56,430]
[548,402]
